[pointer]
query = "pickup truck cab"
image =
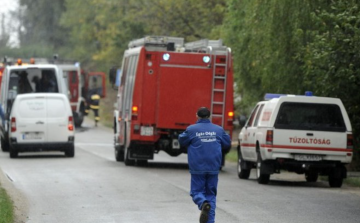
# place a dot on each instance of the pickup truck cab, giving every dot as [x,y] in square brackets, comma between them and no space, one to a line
[302,134]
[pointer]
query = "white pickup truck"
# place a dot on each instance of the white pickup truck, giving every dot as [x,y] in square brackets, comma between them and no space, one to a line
[302,134]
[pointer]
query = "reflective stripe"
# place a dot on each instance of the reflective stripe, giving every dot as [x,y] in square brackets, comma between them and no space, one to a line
[97,118]
[95,97]
[94,106]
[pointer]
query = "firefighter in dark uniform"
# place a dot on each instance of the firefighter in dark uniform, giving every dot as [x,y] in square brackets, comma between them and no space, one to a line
[94,102]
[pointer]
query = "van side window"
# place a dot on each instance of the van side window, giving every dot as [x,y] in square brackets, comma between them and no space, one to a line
[258,115]
[250,122]
[310,116]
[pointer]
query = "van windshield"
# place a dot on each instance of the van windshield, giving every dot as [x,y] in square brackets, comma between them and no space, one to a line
[32,80]
[310,116]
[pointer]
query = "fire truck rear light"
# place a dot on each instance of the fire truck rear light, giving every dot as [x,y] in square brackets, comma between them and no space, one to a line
[231,114]
[136,129]
[19,62]
[135,109]
[350,141]
[70,124]
[13,124]
[269,137]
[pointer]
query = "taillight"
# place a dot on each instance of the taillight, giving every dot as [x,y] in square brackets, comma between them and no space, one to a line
[350,141]
[134,114]
[70,124]
[13,124]
[269,137]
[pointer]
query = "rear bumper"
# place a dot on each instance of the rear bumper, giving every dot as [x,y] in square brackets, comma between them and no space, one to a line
[42,146]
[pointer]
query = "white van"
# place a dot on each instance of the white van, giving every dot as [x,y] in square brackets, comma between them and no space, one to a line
[302,134]
[24,79]
[41,122]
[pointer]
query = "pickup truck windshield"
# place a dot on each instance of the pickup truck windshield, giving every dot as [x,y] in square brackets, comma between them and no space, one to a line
[310,116]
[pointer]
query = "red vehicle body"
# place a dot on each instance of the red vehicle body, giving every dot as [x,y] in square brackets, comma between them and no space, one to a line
[163,83]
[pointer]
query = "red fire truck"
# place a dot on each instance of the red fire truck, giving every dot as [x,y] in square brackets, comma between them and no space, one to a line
[163,83]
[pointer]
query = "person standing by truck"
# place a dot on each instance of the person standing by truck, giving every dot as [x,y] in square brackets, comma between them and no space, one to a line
[204,141]
[94,101]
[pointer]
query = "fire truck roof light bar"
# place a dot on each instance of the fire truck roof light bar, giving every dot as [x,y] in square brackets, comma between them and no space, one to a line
[205,45]
[157,40]
[269,96]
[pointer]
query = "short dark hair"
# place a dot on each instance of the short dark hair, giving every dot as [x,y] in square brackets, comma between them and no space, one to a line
[203,112]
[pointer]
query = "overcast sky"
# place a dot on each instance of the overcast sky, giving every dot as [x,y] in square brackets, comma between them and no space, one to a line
[5,7]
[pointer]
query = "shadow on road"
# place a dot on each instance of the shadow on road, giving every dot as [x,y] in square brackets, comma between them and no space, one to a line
[165,165]
[290,183]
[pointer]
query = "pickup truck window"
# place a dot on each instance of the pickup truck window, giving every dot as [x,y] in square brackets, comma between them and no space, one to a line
[310,116]
[250,122]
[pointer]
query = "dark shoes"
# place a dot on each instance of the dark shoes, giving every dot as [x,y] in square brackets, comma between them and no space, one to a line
[204,215]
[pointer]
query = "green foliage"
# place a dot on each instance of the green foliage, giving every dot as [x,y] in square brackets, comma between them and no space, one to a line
[6,208]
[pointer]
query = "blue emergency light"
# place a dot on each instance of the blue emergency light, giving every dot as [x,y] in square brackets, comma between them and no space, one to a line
[269,96]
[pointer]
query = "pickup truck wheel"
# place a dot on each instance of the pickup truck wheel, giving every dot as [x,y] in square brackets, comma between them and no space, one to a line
[4,145]
[311,176]
[242,172]
[336,178]
[261,177]
[127,160]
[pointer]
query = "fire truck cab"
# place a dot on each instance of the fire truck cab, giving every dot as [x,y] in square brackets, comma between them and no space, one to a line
[163,82]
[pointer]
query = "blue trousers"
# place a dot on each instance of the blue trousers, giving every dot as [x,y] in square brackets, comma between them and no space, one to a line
[204,188]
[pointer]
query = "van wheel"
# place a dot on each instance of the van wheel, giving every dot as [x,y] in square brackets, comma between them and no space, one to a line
[242,172]
[70,152]
[13,153]
[127,160]
[4,145]
[119,154]
[261,177]
[311,176]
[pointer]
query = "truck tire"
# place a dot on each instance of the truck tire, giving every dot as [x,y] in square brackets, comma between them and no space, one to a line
[127,160]
[311,176]
[119,154]
[13,152]
[4,145]
[261,177]
[243,173]
[70,151]
[78,119]
[336,177]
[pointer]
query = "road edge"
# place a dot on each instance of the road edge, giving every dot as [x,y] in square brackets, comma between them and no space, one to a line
[20,202]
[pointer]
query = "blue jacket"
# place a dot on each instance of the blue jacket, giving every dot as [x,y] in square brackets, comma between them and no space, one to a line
[204,141]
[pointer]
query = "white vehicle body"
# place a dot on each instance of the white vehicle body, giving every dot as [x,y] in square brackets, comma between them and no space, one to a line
[10,88]
[41,122]
[302,134]
[74,84]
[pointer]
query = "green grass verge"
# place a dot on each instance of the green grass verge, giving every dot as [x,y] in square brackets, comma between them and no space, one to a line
[6,207]
[232,156]
[352,181]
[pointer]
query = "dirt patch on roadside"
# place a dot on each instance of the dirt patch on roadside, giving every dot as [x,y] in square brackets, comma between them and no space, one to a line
[21,205]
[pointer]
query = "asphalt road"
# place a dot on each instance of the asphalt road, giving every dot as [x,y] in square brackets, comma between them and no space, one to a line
[93,187]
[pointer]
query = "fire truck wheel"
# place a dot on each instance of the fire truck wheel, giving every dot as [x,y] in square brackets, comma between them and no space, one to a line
[261,177]
[119,154]
[4,145]
[128,161]
[78,119]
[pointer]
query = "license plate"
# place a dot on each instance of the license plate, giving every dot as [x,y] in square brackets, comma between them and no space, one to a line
[33,136]
[147,130]
[307,157]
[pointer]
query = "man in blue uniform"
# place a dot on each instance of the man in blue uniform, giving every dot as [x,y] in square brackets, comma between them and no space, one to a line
[205,142]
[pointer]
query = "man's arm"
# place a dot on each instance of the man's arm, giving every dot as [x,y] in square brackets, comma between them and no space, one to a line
[184,138]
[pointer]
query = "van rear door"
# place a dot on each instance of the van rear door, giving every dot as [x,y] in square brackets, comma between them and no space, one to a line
[30,119]
[57,118]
